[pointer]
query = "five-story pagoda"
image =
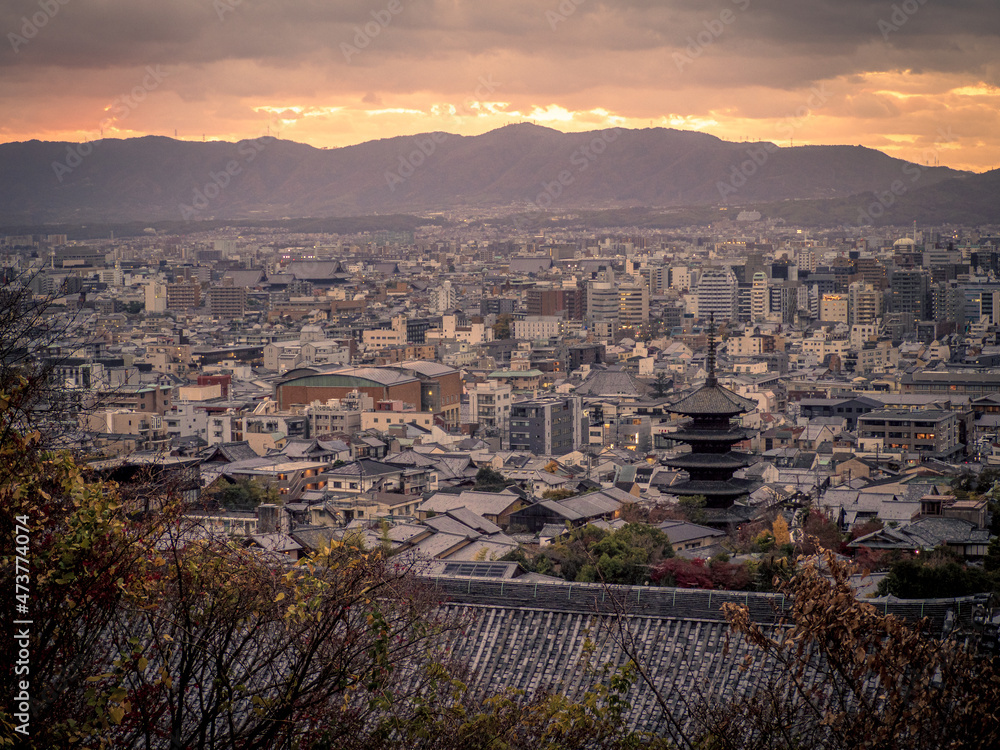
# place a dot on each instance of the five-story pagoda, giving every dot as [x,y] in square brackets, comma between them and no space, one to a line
[711,435]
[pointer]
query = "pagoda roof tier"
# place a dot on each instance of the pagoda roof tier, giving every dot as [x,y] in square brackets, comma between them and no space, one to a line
[722,461]
[732,435]
[714,490]
[712,398]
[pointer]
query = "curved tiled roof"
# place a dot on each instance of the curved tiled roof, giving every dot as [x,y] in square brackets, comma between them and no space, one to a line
[612,383]
[712,399]
[733,435]
[713,488]
[729,460]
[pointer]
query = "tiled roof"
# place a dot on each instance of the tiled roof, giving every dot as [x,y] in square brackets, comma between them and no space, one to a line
[537,635]
[612,383]
[712,399]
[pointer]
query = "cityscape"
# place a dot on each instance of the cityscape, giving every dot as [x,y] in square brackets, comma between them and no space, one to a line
[553,416]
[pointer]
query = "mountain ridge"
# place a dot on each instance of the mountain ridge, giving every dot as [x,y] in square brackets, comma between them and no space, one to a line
[523,167]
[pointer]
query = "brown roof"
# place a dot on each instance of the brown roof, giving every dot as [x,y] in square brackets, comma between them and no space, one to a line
[712,399]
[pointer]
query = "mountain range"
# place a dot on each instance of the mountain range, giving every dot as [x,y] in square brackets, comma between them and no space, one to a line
[521,168]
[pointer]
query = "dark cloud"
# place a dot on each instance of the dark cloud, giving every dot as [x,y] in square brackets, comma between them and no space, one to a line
[707,60]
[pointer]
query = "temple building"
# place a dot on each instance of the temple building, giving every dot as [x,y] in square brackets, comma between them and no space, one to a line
[711,435]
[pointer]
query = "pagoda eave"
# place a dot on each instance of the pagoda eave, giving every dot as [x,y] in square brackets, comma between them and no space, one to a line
[723,461]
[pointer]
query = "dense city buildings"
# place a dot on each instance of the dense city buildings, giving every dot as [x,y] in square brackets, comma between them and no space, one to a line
[471,401]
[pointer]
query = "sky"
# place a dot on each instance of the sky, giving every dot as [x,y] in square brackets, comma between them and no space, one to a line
[917,79]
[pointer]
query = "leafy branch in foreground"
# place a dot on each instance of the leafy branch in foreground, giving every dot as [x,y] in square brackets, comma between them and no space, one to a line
[843,675]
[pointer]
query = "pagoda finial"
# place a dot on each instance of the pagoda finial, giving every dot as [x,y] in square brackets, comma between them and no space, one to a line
[710,379]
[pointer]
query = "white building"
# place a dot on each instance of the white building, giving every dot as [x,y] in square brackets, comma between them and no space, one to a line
[156,297]
[718,294]
[536,327]
[489,404]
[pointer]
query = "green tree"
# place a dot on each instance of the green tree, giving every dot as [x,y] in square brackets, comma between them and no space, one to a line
[490,480]
[693,508]
[624,556]
[503,329]
[558,494]
[246,494]
[939,576]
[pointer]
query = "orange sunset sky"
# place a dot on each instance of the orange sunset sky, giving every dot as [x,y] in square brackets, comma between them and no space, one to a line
[918,79]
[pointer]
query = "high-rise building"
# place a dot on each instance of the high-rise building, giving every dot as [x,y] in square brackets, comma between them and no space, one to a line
[183,295]
[759,298]
[657,278]
[682,278]
[717,294]
[864,303]
[602,307]
[444,297]
[783,302]
[553,301]
[633,306]
[909,292]
[833,308]
[227,300]
[949,304]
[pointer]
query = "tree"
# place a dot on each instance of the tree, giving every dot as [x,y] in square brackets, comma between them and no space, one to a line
[624,556]
[693,508]
[503,329]
[819,532]
[843,675]
[661,384]
[779,530]
[490,480]
[933,576]
[246,494]
[557,494]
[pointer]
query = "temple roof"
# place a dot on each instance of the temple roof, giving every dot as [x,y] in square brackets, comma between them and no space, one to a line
[731,461]
[713,488]
[712,399]
[693,435]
